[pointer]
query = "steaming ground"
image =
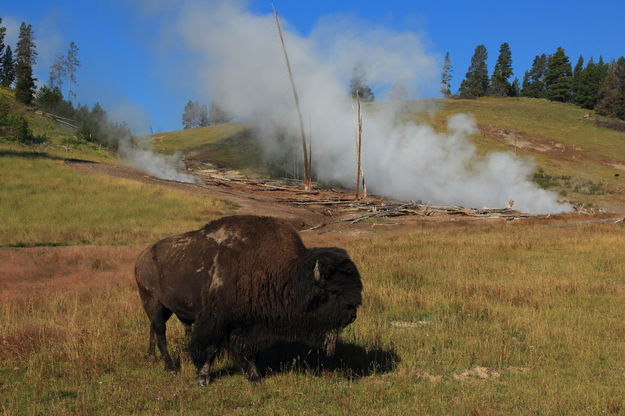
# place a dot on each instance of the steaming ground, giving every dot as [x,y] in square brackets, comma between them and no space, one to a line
[142,157]
[244,71]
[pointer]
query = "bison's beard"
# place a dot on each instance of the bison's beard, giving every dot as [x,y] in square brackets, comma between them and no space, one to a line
[329,343]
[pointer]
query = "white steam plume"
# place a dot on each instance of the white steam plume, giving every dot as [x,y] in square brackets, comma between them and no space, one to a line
[137,150]
[142,157]
[245,71]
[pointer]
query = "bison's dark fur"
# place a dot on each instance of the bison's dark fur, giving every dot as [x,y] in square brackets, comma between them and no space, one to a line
[246,282]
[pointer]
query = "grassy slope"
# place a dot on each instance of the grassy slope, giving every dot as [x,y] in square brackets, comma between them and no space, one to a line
[539,307]
[44,202]
[56,133]
[560,122]
[225,145]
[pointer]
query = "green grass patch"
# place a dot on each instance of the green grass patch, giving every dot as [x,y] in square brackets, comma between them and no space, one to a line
[45,202]
[228,145]
[188,139]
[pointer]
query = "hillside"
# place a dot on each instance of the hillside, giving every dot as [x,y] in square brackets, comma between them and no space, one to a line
[228,145]
[61,139]
[47,202]
[582,162]
[573,156]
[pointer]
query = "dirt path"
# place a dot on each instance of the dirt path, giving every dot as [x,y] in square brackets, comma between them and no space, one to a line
[553,148]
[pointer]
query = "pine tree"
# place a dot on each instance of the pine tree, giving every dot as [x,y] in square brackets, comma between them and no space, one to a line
[515,89]
[358,84]
[475,83]
[500,87]
[590,80]
[3,31]
[7,69]
[576,81]
[534,79]
[584,96]
[25,85]
[620,72]
[609,94]
[446,76]
[48,99]
[559,77]
[71,64]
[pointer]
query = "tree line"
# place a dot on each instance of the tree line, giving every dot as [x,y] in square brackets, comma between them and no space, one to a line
[196,114]
[598,86]
[16,72]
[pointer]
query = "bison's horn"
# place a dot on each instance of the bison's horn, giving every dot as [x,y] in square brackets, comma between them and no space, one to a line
[317,273]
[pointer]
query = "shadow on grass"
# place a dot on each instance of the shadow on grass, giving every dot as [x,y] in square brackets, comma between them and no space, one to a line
[350,361]
[39,155]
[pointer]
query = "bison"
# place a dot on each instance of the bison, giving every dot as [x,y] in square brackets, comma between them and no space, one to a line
[246,283]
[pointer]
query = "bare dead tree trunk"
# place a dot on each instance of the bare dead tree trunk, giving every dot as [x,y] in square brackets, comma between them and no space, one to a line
[358,143]
[307,180]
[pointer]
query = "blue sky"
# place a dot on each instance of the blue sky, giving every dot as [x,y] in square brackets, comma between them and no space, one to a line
[127,69]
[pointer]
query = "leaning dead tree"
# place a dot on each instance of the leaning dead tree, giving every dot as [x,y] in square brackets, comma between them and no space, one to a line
[307,161]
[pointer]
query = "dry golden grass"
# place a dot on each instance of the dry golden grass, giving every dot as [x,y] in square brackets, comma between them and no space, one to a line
[498,318]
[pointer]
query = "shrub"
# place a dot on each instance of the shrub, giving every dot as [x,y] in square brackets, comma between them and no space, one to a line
[611,123]
[5,109]
[18,128]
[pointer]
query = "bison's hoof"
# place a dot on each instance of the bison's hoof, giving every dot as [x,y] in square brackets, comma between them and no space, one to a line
[254,378]
[203,380]
[172,368]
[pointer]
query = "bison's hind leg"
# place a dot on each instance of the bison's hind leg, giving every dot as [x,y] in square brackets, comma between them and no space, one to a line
[158,315]
[152,345]
[159,327]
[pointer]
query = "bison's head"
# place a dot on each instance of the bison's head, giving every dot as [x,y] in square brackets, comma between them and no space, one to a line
[332,293]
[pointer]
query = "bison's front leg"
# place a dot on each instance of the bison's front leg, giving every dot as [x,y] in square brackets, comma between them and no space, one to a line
[206,338]
[248,366]
[244,354]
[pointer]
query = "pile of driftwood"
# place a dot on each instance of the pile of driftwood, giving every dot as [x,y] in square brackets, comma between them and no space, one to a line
[380,208]
[343,206]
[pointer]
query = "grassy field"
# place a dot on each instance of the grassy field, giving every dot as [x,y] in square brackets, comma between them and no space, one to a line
[521,319]
[45,202]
